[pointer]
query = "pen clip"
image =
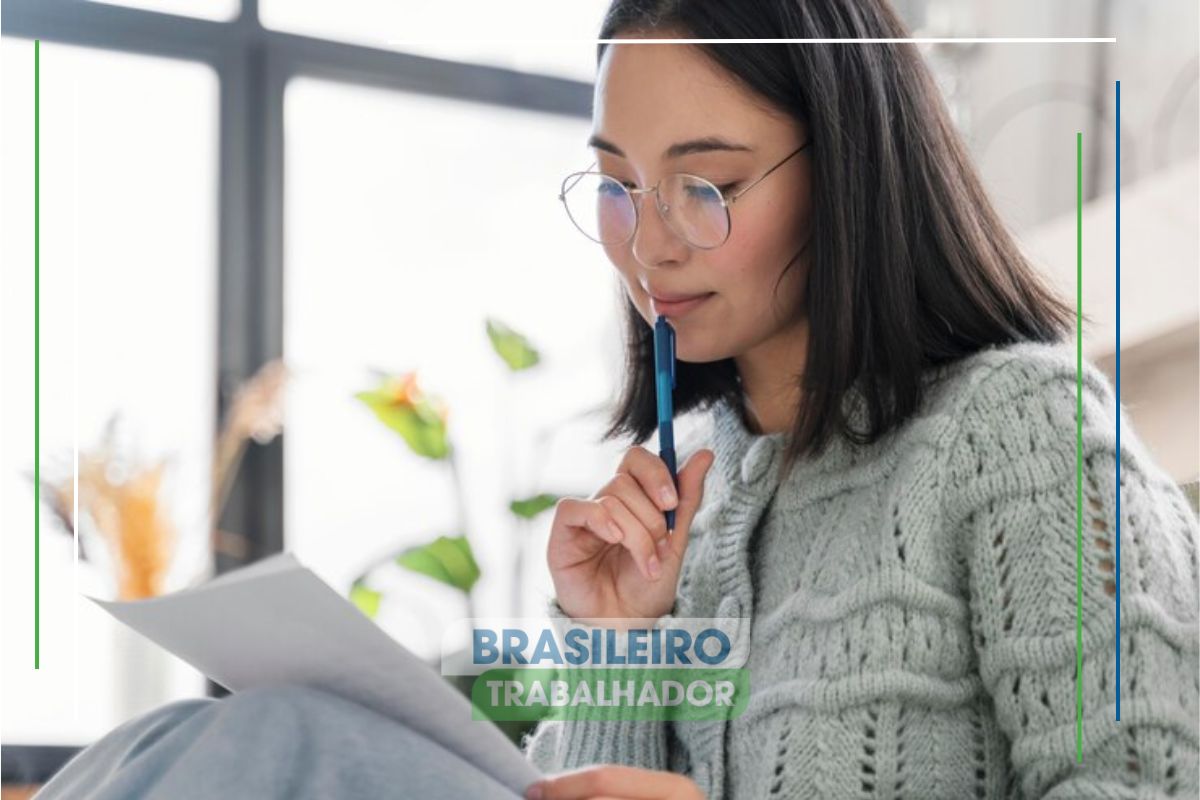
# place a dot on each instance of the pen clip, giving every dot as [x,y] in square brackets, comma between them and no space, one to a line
[671,355]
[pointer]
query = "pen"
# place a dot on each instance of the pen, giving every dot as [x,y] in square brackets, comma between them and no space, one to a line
[664,383]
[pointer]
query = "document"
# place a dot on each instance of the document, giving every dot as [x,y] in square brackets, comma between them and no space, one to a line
[275,621]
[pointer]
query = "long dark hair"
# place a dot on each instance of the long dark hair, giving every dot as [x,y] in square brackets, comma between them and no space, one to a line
[911,267]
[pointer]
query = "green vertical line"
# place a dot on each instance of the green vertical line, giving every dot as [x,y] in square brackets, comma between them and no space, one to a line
[1079,447]
[37,422]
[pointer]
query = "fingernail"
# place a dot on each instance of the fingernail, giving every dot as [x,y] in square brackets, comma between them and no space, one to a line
[534,792]
[668,495]
[654,566]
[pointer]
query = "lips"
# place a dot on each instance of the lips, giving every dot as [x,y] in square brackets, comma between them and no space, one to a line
[669,297]
[675,305]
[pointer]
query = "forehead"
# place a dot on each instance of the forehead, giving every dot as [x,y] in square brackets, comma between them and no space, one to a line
[649,96]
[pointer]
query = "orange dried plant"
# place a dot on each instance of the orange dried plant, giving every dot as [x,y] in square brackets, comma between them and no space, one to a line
[123,500]
[127,513]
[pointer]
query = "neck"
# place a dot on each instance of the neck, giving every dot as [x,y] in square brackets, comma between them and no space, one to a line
[770,375]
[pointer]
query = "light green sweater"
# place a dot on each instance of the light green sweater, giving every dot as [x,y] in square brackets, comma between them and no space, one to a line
[910,607]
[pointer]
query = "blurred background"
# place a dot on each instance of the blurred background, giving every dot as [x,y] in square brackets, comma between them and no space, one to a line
[302,281]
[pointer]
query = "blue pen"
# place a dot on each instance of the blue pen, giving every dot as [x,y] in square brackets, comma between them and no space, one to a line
[664,383]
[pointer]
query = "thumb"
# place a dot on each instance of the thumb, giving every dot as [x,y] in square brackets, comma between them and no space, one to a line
[691,492]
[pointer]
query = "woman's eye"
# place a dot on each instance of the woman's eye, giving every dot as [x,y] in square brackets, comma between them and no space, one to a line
[727,188]
[609,187]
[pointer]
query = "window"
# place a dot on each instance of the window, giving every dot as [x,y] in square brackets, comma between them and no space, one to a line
[202,9]
[409,221]
[542,36]
[133,149]
[128,231]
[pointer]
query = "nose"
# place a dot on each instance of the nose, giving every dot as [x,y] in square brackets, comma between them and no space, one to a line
[654,241]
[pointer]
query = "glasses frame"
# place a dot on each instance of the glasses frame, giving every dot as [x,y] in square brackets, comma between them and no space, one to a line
[662,208]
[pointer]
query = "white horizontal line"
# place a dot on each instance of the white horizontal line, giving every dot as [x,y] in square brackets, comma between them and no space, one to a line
[915,40]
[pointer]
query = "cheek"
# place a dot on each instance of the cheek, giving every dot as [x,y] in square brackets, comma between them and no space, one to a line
[751,255]
[752,260]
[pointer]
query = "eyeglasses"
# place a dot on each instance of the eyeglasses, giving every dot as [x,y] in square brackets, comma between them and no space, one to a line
[603,208]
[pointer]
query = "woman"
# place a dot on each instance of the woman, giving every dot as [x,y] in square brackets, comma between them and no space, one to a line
[885,495]
[889,492]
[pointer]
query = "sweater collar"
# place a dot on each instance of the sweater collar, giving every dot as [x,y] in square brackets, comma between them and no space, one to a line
[735,445]
[743,456]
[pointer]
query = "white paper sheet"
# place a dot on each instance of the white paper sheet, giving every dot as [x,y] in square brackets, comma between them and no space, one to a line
[275,622]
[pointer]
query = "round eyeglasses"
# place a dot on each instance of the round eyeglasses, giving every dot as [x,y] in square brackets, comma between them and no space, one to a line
[603,208]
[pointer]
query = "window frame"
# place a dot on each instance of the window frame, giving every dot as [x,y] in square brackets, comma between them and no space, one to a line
[253,65]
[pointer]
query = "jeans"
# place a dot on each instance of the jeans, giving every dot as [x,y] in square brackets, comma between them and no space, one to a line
[288,742]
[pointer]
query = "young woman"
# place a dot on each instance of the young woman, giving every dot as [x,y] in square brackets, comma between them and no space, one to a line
[888,495]
[885,496]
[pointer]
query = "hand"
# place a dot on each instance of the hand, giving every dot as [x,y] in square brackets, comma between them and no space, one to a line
[610,555]
[613,782]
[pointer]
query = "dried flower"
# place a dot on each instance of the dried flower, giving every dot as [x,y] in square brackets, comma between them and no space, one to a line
[144,537]
[256,412]
[123,502]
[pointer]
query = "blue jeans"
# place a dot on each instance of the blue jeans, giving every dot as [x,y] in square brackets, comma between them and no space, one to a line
[280,742]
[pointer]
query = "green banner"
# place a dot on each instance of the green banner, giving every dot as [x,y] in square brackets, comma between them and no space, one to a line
[610,694]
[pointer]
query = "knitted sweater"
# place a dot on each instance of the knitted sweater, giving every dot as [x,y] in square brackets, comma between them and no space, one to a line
[910,606]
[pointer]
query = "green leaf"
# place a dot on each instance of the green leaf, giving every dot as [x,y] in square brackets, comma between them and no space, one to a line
[366,598]
[511,346]
[530,507]
[421,427]
[447,559]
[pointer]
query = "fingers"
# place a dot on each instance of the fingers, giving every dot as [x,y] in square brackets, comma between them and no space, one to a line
[629,510]
[611,521]
[611,780]
[633,495]
[651,472]
[635,538]
[588,515]
[691,491]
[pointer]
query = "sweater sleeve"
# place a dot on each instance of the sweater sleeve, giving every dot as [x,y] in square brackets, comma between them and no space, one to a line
[1013,497]
[565,744]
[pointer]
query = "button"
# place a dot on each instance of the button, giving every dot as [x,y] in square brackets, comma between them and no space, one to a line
[758,460]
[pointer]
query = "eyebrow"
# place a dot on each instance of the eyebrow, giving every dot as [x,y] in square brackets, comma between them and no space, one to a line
[706,144]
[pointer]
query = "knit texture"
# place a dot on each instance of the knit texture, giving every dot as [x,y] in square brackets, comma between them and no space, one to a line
[909,607]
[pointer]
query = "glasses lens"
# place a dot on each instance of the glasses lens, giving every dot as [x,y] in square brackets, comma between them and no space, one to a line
[695,210]
[599,206]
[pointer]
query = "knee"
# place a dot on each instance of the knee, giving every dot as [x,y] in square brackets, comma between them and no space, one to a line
[290,721]
[286,701]
[180,709]
[159,722]
[141,733]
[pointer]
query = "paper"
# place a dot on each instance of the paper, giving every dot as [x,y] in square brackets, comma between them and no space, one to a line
[275,622]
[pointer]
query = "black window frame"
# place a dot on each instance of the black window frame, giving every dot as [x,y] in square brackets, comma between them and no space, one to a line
[253,65]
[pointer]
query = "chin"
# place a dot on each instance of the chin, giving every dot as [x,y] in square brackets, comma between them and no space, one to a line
[699,352]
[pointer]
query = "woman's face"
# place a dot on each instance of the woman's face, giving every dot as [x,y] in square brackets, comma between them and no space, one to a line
[651,96]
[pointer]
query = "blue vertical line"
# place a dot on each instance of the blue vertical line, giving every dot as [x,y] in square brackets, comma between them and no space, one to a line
[1118,454]
[37,327]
